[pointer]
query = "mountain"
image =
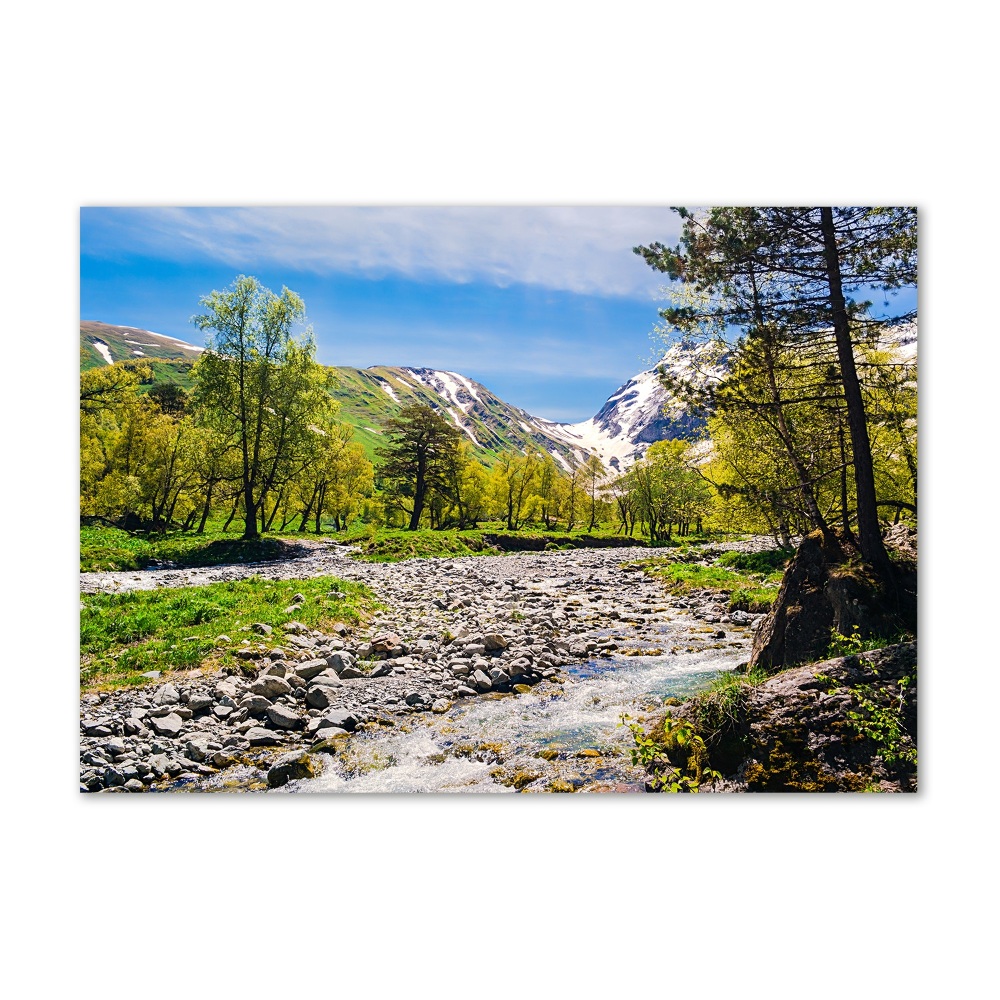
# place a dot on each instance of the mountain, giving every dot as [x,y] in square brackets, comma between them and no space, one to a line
[640,412]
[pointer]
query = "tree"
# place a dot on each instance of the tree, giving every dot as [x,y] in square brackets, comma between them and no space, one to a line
[784,277]
[594,474]
[422,445]
[259,385]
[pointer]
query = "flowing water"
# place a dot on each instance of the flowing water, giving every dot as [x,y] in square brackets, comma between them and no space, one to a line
[502,743]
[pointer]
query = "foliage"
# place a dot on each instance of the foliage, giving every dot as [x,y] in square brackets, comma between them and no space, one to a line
[784,277]
[855,643]
[419,458]
[106,549]
[678,759]
[880,719]
[261,387]
[126,634]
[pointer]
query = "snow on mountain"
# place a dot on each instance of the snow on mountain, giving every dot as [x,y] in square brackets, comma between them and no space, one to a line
[642,411]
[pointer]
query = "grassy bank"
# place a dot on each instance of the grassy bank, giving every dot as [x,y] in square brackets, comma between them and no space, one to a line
[124,635]
[108,549]
[751,579]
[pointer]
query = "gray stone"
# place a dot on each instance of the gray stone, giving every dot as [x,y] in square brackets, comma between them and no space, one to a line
[197,750]
[113,777]
[261,628]
[494,640]
[226,689]
[441,705]
[270,687]
[342,718]
[340,659]
[482,682]
[283,718]
[290,767]
[223,711]
[328,678]
[134,785]
[260,737]
[168,725]
[349,673]
[166,695]
[321,696]
[97,727]
[308,670]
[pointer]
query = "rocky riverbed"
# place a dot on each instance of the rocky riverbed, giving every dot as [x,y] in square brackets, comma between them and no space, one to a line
[515,635]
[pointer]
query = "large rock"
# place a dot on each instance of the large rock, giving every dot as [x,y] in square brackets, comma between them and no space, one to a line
[167,725]
[166,695]
[270,687]
[283,717]
[290,767]
[339,660]
[827,589]
[321,696]
[832,726]
[308,670]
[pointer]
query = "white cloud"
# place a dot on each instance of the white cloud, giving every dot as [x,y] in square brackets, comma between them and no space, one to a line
[578,249]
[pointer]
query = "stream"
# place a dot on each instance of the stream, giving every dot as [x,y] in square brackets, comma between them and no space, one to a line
[564,733]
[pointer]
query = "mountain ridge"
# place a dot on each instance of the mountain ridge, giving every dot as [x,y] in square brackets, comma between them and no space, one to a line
[618,433]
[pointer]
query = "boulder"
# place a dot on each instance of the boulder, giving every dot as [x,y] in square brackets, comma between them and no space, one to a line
[290,767]
[167,725]
[826,589]
[270,687]
[283,718]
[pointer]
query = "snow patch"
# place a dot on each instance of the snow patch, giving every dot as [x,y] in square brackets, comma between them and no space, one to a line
[102,349]
[389,390]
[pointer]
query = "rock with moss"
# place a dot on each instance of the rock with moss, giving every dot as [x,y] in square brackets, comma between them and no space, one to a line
[291,767]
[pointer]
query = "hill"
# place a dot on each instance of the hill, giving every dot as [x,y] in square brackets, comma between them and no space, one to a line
[635,416]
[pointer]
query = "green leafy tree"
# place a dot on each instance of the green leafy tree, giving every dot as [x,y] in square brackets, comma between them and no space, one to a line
[785,276]
[422,446]
[260,386]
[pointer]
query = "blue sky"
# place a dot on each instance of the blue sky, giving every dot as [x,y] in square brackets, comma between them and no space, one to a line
[547,307]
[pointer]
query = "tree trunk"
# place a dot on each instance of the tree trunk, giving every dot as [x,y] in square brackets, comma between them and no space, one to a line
[869,532]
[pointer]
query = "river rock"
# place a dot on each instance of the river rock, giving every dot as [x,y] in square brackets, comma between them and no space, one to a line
[283,718]
[342,718]
[270,687]
[290,767]
[310,668]
[339,660]
[168,725]
[257,736]
[166,695]
[321,696]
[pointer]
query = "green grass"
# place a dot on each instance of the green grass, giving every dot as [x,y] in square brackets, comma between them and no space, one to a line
[109,549]
[124,635]
[749,591]
[394,544]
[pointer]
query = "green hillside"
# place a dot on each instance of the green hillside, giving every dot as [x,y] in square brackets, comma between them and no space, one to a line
[367,396]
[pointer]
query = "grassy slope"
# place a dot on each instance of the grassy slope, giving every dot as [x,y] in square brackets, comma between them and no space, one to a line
[364,404]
